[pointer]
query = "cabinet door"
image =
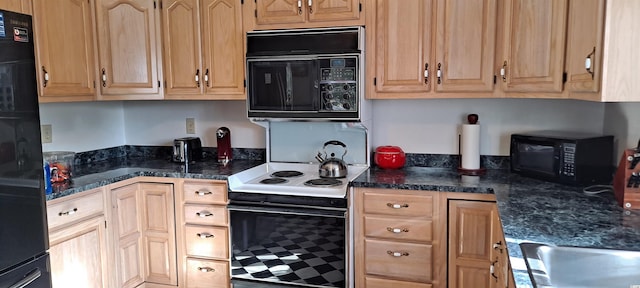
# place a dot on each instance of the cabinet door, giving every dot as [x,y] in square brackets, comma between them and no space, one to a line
[182,57]
[65,49]
[403,47]
[280,12]
[471,225]
[534,42]
[158,226]
[20,6]
[465,45]
[331,10]
[127,231]
[584,44]
[78,255]
[127,47]
[223,49]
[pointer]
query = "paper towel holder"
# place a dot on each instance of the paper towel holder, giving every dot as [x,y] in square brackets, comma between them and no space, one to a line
[472,119]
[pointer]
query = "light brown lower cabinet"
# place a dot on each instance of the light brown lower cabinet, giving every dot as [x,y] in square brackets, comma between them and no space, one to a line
[143,225]
[477,248]
[78,245]
[428,239]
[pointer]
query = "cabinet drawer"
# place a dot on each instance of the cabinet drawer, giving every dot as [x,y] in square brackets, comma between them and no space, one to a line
[398,228]
[207,241]
[413,262]
[398,204]
[205,214]
[207,274]
[205,192]
[75,209]
[386,283]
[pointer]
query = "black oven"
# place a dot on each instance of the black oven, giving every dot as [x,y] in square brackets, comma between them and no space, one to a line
[292,240]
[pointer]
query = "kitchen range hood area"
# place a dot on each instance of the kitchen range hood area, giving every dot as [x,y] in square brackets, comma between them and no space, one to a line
[298,95]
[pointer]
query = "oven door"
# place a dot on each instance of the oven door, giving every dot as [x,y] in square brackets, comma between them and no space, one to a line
[284,84]
[287,245]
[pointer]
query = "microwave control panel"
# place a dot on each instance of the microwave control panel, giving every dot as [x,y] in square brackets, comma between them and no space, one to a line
[338,84]
[568,159]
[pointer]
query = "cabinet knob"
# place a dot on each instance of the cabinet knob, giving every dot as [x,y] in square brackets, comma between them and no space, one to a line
[503,71]
[588,62]
[204,214]
[397,206]
[299,7]
[205,235]
[68,212]
[45,76]
[397,254]
[397,230]
[203,192]
[206,269]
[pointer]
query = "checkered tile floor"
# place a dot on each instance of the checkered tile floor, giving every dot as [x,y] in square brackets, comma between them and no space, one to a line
[304,250]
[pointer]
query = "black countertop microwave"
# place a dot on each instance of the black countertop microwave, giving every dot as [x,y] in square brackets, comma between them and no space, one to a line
[571,158]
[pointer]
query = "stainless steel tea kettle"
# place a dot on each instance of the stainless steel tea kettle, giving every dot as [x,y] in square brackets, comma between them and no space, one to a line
[332,167]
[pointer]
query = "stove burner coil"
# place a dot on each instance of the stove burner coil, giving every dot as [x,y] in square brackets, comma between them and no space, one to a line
[286,173]
[323,182]
[273,181]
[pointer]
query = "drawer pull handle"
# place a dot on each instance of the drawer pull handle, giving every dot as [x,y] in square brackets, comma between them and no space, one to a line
[203,192]
[397,230]
[206,269]
[68,212]
[203,214]
[397,206]
[205,235]
[397,254]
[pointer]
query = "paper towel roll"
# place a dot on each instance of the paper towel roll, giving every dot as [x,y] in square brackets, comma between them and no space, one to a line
[470,146]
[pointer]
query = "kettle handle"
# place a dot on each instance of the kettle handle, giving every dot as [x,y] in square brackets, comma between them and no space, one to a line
[337,143]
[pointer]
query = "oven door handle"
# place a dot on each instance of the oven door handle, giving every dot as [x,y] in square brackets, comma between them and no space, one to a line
[288,210]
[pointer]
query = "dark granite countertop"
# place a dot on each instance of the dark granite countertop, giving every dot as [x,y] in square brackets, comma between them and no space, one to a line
[530,210]
[103,173]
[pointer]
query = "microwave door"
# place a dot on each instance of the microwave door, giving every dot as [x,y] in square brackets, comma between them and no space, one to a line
[283,85]
[537,157]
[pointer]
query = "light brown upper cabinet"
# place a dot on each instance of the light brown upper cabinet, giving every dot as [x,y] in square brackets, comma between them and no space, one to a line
[65,50]
[533,46]
[129,49]
[419,49]
[20,6]
[286,14]
[584,48]
[203,49]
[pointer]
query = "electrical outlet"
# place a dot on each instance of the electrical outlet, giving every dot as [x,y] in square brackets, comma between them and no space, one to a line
[191,126]
[46,133]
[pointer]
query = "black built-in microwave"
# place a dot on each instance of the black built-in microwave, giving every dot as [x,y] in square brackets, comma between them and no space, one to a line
[305,74]
[578,159]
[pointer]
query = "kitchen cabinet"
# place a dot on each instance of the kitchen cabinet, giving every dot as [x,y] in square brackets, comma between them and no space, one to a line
[78,241]
[144,233]
[129,49]
[477,249]
[65,50]
[421,49]
[396,238]
[533,47]
[287,14]
[20,6]
[203,47]
[585,30]
[203,233]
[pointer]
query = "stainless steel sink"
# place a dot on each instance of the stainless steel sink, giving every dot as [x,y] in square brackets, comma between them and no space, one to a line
[561,266]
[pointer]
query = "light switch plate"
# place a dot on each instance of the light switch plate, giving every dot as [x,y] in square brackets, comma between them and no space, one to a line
[46,133]
[191,126]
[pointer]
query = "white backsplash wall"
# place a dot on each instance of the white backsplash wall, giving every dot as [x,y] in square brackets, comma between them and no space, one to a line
[418,126]
[431,126]
[83,126]
[623,121]
[159,122]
